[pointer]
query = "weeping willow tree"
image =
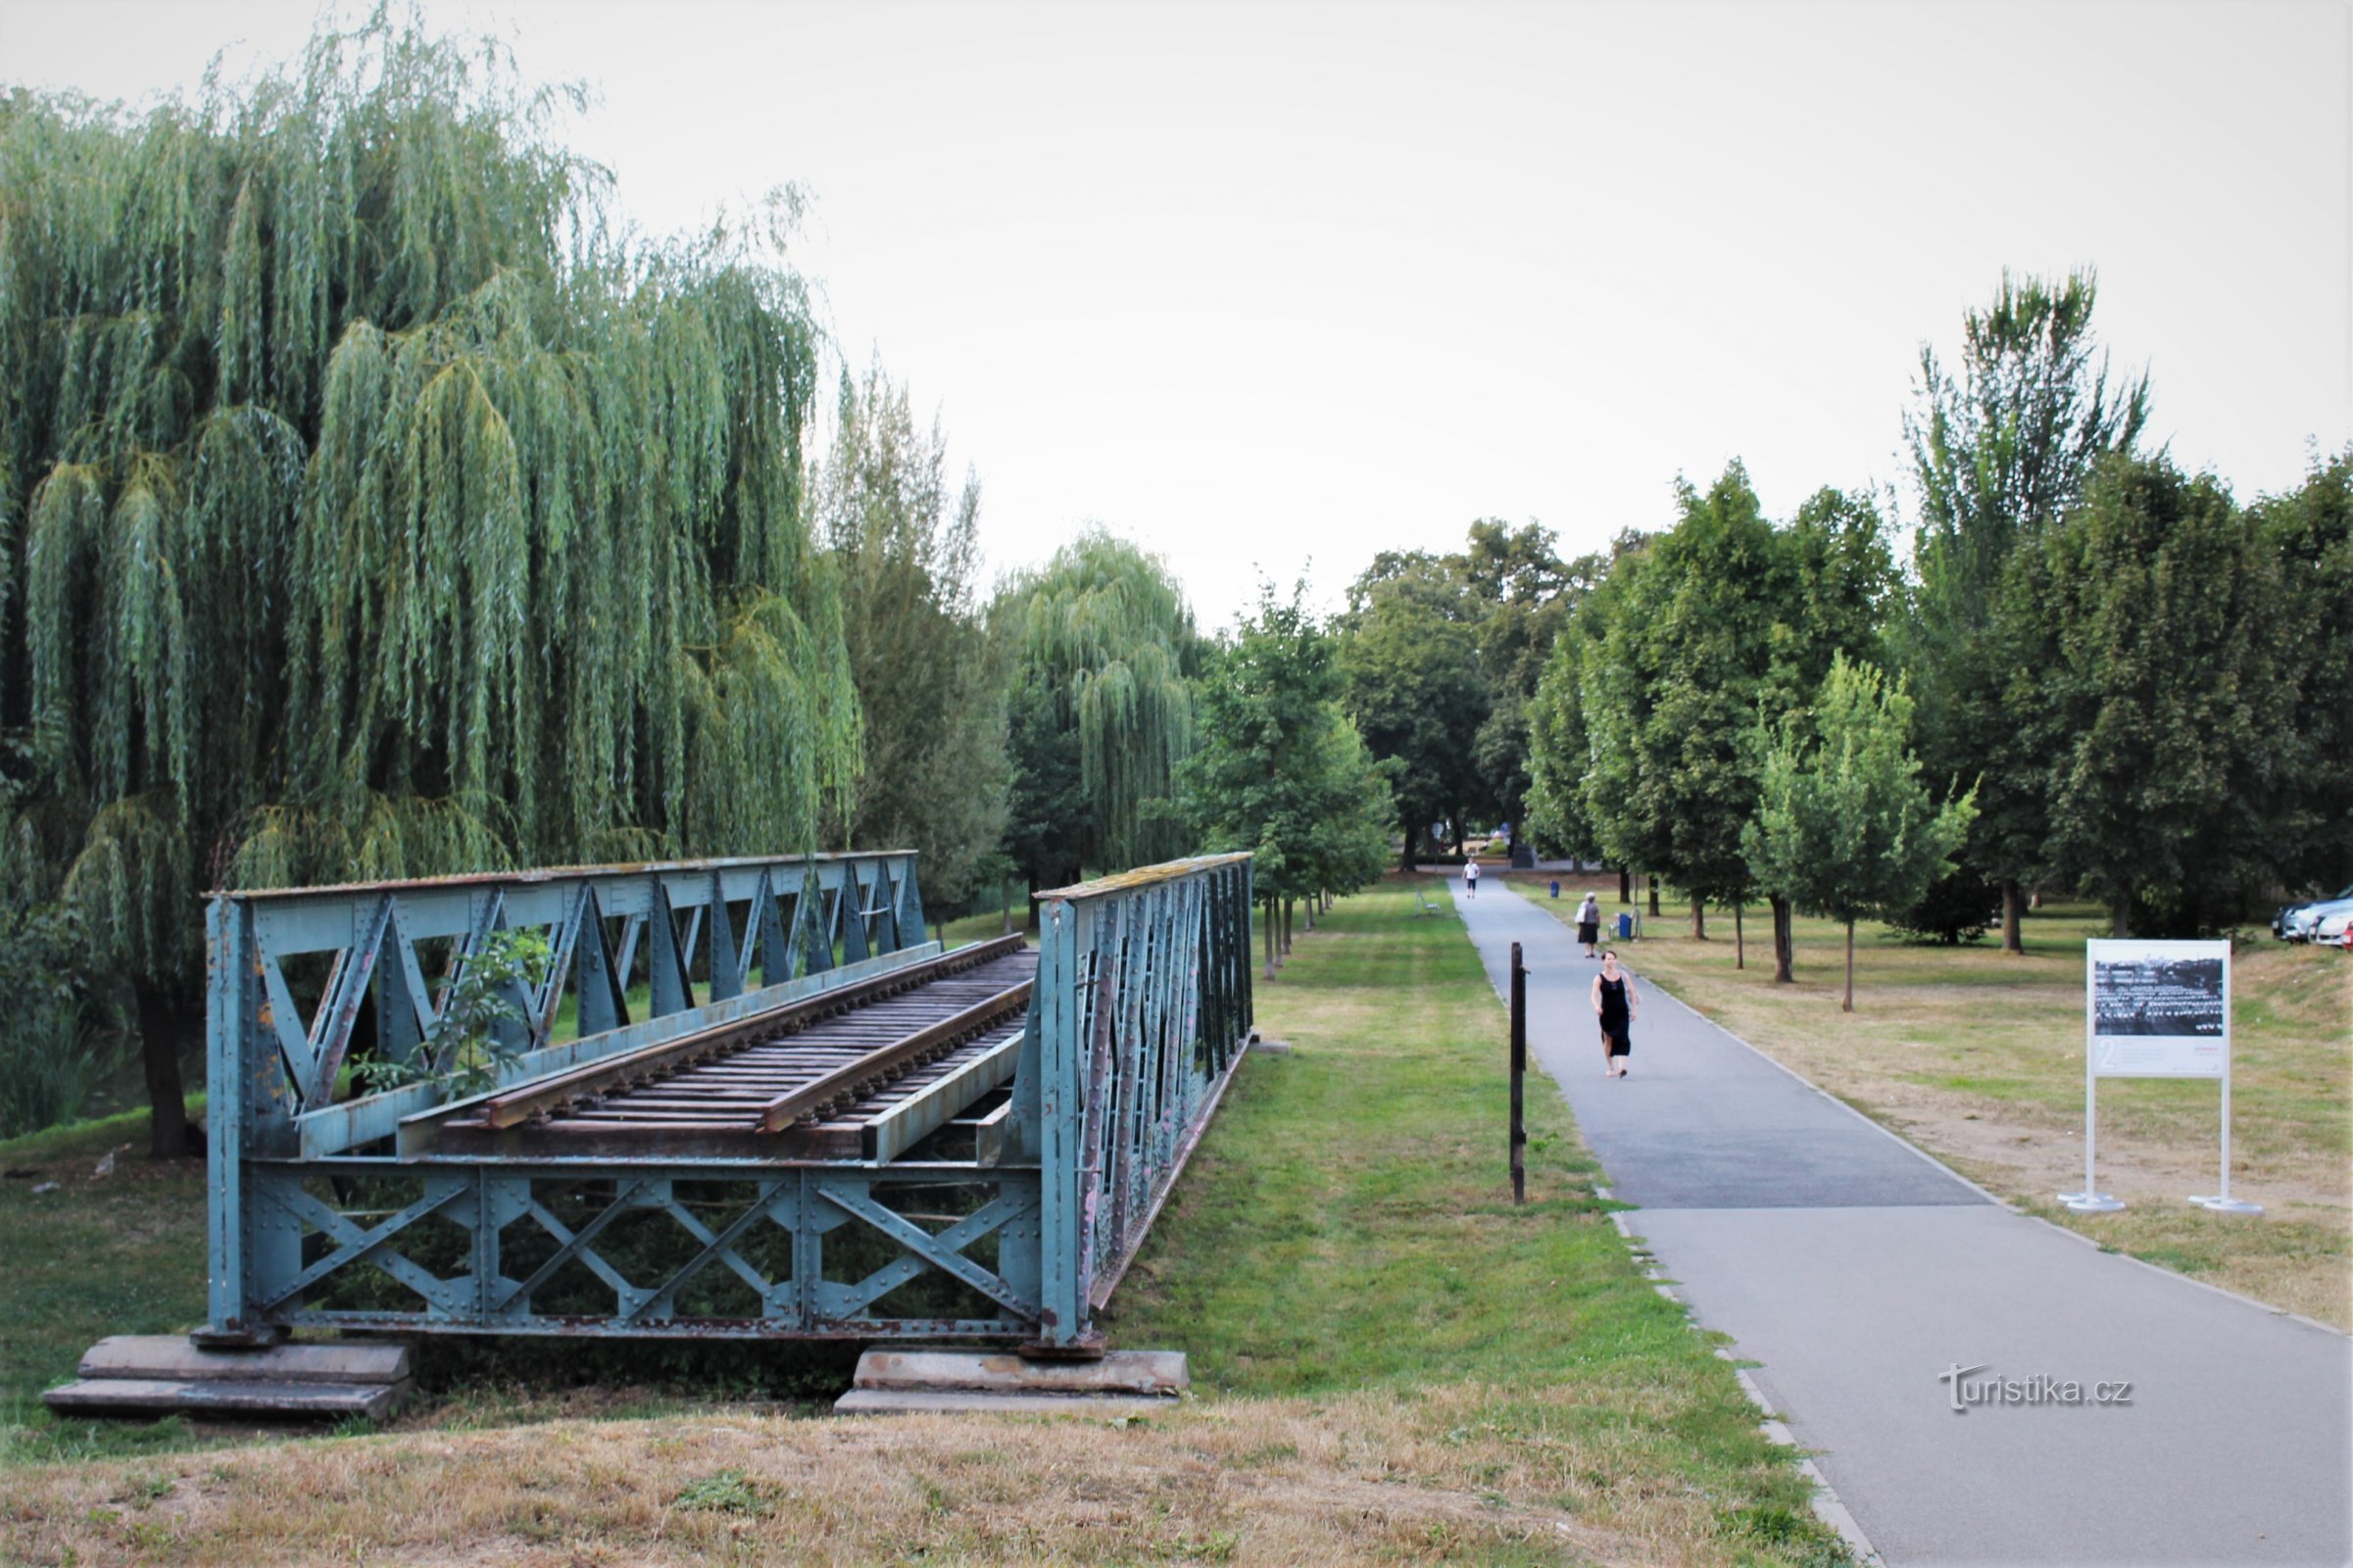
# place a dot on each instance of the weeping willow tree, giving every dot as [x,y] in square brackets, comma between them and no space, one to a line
[372,506]
[1103,651]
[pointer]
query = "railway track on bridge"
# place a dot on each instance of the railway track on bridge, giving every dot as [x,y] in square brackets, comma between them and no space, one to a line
[861,1072]
[741,1103]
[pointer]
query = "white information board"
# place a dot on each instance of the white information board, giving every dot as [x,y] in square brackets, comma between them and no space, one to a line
[2155,1009]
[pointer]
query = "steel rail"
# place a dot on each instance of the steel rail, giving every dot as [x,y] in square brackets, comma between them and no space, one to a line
[786,1110]
[540,1096]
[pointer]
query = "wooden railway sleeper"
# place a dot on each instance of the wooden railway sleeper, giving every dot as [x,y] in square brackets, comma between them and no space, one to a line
[924,1045]
[593,1081]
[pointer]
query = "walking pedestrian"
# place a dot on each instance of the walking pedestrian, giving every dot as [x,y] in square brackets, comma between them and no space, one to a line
[1470,879]
[1615,1004]
[1589,923]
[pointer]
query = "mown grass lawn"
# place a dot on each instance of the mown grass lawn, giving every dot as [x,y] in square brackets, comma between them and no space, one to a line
[1978,1055]
[1392,1364]
[121,1254]
[1347,1234]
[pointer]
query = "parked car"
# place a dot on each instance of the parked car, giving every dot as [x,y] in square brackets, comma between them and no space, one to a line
[2300,922]
[2330,929]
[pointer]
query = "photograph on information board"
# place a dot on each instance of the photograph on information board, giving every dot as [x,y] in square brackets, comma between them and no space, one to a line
[2157,994]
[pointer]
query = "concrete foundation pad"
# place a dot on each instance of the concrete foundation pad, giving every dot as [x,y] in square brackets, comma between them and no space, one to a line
[889,1402]
[227,1396]
[1125,1372]
[170,1358]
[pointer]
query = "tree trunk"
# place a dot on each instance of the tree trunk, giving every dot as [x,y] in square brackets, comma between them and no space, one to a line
[1653,881]
[1739,941]
[1699,919]
[2013,906]
[1625,884]
[1286,929]
[1848,1004]
[2120,915]
[1785,943]
[1269,922]
[159,1052]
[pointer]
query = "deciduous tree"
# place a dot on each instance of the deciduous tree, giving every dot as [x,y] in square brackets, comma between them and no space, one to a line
[930,679]
[2000,452]
[1281,771]
[2309,532]
[1102,648]
[2156,708]
[1412,682]
[1843,824]
[375,506]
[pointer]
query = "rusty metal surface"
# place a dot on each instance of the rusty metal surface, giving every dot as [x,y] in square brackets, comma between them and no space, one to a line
[513,1107]
[741,1122]
[804,1082]
[1143,876]
[547,873]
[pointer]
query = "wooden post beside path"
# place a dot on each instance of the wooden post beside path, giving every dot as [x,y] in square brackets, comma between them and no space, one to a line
[1519,1074]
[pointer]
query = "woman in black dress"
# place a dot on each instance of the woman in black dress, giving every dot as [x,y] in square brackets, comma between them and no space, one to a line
[1615,1004]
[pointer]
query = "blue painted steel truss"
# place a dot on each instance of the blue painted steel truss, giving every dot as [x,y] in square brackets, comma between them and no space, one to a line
[323,1212]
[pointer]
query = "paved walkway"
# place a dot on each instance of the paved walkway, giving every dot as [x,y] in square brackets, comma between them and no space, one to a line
[1856,1269]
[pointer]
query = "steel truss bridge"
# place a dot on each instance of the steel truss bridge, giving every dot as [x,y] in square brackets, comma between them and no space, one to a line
[749,1101]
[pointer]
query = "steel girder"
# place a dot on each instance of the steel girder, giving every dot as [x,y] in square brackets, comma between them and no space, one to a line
[320,1214]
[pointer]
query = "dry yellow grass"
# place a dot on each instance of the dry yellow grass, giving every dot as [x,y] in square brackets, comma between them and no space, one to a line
[1440,1378]
[1353,1480]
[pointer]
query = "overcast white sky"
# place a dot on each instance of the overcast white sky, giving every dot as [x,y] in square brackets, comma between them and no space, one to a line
[1259,285]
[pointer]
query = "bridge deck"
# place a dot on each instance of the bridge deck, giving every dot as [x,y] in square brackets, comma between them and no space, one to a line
[862,1074]
[745,1100]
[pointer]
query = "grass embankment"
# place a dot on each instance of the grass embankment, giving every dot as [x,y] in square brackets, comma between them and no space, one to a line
[1977,1056]
[1392,1364]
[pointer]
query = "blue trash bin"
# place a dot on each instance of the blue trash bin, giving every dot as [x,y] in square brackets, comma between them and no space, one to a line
[1556,887]
[1625,928]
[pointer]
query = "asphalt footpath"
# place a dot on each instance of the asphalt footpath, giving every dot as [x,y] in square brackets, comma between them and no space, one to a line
[1862,1275]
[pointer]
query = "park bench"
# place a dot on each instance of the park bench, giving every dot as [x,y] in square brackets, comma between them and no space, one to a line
[1423,905]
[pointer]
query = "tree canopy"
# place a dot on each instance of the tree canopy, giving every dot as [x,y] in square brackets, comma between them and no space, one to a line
[1843,824]
[374,506]
[929,678]
[2150,704]
[1998,452]
[1102,649]
[1281,771]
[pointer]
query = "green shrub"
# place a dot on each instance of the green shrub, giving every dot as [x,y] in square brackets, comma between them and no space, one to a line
[50,1057]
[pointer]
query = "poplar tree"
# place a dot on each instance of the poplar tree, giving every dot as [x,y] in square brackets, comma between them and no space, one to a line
[930,679]
[2000,451]
[375,506]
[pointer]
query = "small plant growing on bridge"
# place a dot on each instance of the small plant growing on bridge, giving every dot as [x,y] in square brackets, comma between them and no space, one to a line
[467,1052]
